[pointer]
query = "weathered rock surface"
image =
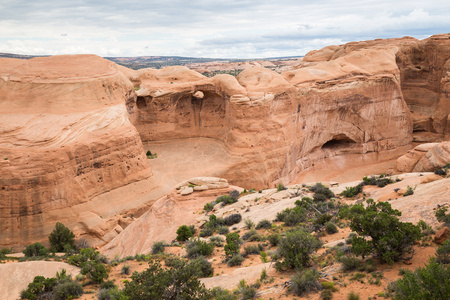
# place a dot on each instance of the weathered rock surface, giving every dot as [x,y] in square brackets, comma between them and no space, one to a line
[65,138]
[425,158]
[162,220]
[442,235]
[15,277]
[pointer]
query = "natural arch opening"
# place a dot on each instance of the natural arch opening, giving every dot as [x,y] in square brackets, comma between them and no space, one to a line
[340,140]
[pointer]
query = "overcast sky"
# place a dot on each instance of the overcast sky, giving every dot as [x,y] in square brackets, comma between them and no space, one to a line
[209,28]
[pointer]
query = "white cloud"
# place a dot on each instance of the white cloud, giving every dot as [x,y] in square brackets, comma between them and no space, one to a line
[209,28]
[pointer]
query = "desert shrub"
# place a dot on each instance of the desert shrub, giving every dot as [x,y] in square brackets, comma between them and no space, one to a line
[223,230]
[125,270]
[202,266]
[292,216]
[67,290]
[108,284]
[214,222]
[296,249]
[251,249]
[390,238]
[235,260]
[320,189]
[353,296]
[158,247]
[216,240]
[183,233]
[61,238]
[155,282]
[110,294]
[196,248]
[206,232]
[281,187]
[91,264]
[248,234]
[233,244]
[409,191]
[233,219]
[234,194]
[330,227]
[264,224]
[442,216]
[249,224]
[304,282]
[274,239]
[36,249]
[430,282]
[219,293]
[209,206]
[379,181]
[352,191]
[441,172]
[321,219]
[39,286]
[350,262]
[443,253]
[326,294]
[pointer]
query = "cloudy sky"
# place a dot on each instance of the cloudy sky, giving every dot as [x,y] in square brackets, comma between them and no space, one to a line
[209,28]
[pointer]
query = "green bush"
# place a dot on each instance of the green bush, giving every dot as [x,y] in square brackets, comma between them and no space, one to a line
[266,224]
[110,294]
[218,293]
[281,187]
[326,294]
[233,244]
[36,249]
[233,219]
[91,264]
[251,249]
[235,260]
[202,266]
[442,217]
[158,247]
[209,206]
[61,239]
[183,233]
[429,282]
[214,222]
[350,262]
[249,224]
[180,282]
[304,282]
[296,249]
[353,296]
[67,290]
[390,238]
[443,253]
[321,192]
[292,216]
[223,230]
[409,191]
[125,270]
[249,234]
[216,240]
[330,227]
[196,248]
[207,232]
[379,181]
[274,239]
[352,191]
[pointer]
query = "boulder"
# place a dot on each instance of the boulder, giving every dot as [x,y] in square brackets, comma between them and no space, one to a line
[442,235]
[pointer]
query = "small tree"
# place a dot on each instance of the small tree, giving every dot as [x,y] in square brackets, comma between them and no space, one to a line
[36,249]
[233,244]
[296,249]
[183,233]
[61,238]
[390,238]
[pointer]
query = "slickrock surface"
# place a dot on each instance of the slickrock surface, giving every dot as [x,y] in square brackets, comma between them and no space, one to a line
[162,220]
[15,277]
[425,157]
[65,138]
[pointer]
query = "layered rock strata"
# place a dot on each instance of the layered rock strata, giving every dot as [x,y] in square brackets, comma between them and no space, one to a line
[65,138]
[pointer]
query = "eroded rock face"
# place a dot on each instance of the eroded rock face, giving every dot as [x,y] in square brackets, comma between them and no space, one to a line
[65,137]
[280,124]
[425,158]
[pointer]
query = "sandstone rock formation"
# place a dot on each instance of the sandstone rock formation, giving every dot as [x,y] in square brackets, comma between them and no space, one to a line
[72,127]
[425,157]
[65,138]
[162,220]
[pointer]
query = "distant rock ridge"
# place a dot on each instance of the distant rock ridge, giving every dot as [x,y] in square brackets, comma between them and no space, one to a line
[72,128]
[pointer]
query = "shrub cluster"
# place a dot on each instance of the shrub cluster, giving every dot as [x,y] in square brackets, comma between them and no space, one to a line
[321,192]
[292,216]
[197,248]
[36,249]
[91,263]
[305,281]
[266,224]
[61,239]
[233,219]
[353,190]
[379,181]
[390,238]
[232,197]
